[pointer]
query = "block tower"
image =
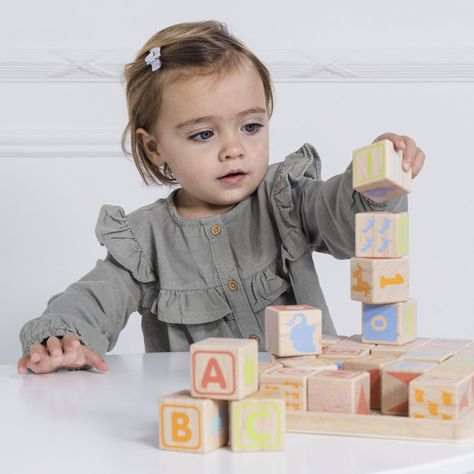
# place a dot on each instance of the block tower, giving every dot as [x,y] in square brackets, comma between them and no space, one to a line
[379,270]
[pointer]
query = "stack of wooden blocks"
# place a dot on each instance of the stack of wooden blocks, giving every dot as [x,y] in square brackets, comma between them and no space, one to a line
[234,400]
[224,403]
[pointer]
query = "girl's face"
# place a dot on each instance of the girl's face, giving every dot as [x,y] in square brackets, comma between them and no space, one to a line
[213,134]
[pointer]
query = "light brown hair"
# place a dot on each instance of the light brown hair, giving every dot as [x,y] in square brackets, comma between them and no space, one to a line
[187,50]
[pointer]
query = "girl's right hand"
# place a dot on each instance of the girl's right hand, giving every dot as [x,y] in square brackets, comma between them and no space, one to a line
[67,352]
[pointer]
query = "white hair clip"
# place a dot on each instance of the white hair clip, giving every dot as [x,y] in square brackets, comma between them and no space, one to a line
[153,58]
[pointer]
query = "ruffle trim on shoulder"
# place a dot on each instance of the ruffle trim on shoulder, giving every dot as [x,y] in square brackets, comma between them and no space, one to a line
[115,233]
[210,304]
[303,163]
[265,286]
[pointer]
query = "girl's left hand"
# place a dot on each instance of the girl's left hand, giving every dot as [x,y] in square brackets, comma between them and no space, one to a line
[413,157]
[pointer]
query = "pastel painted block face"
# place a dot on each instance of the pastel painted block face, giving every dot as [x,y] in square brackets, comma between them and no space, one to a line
[441,393]
[290,383]
[258,423]
[389,324]
[192,424]
[383,280]
[381,234]
[378,172]
[396,378]
[293,330]
[224,368]
[339,391]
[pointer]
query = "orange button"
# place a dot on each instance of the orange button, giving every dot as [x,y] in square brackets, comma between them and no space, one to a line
[215,229]
[232,285]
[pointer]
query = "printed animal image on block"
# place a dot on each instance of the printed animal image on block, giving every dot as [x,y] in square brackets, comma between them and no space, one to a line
[224,368]
[341,391]
[192,424]
[395,379]
[377,172]
[373,366]
[389,323]
[293,330]
[441,393]
[257,423]
[381,234]
[379,280]
[289,383]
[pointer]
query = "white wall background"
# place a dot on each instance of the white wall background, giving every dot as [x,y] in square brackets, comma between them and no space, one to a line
[344,72]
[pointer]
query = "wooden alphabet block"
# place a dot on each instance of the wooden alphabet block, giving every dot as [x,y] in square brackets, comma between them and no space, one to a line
[328,340]
[373,366]
[192,424]
[382,350]
[293,330]
[265,367]
[459,362]
[258,423]
[389,323]
[345,350]
[381,234]
[437,350]
[376,281]
[224,368]
[395,379]
[377,172]
[317,365]
[289,383]
[341,391]
[441,393]
[296,360]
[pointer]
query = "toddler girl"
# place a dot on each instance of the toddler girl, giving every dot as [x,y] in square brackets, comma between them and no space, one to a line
[237,235]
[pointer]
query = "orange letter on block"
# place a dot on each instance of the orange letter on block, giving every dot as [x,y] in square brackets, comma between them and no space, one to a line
[180,427]
[218,376]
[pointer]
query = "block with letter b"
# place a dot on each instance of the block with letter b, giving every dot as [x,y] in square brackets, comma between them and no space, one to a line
[257,423]
[224,368]
[293,330]
[381,234]
[192,424]
[389,323]
[379,280]
[377,172]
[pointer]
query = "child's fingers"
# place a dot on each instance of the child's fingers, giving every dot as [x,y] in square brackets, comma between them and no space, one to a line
[21,365]
[54,346]
[70,343]
[418,162]
[37,352]
[95,360]
[409,148]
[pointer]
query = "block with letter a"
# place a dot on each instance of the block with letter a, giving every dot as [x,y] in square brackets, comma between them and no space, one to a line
[224,368]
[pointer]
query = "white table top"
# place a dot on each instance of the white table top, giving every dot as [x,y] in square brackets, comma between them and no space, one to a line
[86,422]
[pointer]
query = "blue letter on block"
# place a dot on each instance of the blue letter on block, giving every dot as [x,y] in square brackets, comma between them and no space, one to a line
[379,322]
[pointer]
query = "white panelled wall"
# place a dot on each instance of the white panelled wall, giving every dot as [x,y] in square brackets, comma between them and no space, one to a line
[344,72]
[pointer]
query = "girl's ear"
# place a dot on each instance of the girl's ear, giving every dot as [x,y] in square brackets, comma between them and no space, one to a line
[150,146]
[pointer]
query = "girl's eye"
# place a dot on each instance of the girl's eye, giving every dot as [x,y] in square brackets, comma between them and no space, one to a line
[204,136]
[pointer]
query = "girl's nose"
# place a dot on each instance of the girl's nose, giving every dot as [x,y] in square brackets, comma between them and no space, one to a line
[232,148]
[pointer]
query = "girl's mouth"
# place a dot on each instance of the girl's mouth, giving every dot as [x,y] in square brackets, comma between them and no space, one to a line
[235,176]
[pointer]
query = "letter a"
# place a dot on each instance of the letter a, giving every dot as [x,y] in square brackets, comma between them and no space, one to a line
[213,374]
